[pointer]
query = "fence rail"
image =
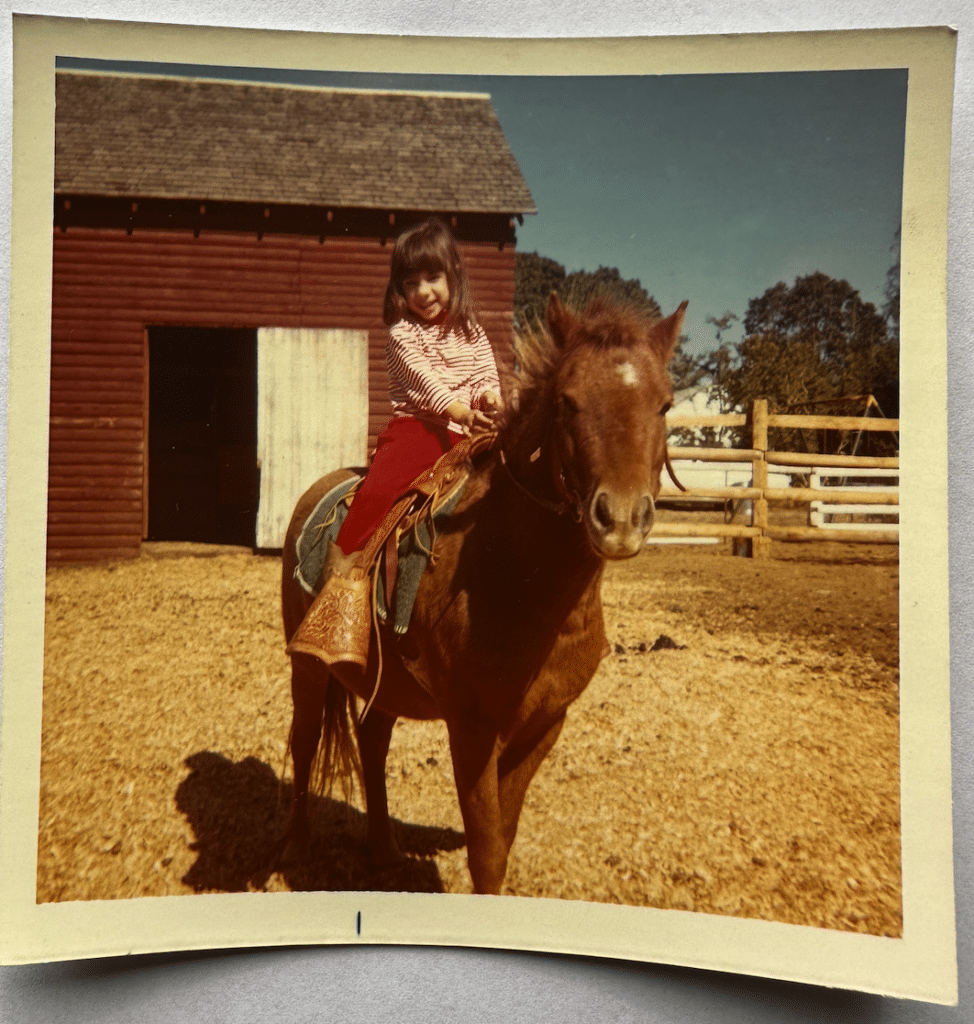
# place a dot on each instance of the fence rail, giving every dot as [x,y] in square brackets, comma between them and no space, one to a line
[834,500]
[822,500]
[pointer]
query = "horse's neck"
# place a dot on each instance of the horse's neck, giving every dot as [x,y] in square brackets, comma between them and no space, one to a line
[533,523]
[529,453]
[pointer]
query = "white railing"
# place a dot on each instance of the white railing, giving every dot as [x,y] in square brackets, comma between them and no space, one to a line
[822,513]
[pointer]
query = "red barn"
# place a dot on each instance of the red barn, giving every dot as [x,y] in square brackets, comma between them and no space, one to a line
[221,253]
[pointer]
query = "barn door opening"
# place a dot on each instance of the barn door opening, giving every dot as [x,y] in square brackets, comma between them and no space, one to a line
[202,458]
[313,415]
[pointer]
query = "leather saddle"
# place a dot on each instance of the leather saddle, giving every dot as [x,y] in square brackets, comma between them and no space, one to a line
[338,625]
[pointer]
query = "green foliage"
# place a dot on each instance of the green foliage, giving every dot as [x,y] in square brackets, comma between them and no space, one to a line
[686,371]
[582,286]
[891,292]
[536,277]
[812,342]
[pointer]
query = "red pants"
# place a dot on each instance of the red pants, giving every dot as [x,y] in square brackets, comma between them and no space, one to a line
[405,448]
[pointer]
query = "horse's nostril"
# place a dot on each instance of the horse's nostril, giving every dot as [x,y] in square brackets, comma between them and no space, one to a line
[603,515]
[648,514]
[639,513]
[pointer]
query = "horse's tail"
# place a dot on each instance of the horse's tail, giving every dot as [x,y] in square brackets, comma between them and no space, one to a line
[338,756]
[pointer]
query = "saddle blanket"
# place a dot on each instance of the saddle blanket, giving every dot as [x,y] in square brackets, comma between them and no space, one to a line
[323,525]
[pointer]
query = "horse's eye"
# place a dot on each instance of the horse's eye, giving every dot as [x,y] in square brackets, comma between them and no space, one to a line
[666,408]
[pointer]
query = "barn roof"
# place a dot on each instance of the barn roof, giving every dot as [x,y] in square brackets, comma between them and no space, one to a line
[179,138]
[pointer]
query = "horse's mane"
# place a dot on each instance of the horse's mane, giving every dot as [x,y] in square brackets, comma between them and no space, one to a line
[603,323]
[608,323]
[527,383]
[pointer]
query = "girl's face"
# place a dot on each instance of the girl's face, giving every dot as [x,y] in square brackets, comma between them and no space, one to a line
[427,295]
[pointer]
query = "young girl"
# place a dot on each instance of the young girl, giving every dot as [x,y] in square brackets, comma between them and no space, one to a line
[443,379]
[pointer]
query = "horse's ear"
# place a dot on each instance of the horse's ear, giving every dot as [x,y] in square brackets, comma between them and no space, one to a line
[558,320]
[665,334]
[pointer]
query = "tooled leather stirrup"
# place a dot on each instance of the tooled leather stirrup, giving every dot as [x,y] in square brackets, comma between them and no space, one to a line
[338,626]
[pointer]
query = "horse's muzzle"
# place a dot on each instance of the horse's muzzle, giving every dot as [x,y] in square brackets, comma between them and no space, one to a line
[618,524]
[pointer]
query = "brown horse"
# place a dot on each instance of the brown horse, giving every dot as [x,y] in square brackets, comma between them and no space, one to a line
[507,629]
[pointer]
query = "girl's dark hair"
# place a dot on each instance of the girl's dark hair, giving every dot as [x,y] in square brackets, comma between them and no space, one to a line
[429,248]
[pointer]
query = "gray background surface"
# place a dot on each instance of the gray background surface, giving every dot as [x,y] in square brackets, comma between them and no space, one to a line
[456,985]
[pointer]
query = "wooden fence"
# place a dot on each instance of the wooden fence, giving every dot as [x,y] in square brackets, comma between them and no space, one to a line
[758,533]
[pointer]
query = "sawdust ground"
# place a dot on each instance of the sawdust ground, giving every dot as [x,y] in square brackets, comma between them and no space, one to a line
[748,769]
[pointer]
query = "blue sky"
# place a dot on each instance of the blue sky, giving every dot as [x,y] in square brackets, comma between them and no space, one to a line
[711,188]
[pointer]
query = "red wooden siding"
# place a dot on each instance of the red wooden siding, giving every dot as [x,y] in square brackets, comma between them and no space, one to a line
[108,286]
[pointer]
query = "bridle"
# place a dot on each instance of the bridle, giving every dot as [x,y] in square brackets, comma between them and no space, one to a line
[571,501]
[559,508]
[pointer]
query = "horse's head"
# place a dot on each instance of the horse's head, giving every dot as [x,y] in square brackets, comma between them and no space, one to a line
[611,395]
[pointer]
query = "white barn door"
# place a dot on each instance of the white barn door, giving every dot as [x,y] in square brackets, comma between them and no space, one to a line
[312,415]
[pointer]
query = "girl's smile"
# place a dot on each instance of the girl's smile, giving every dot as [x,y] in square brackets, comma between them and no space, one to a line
[427,295]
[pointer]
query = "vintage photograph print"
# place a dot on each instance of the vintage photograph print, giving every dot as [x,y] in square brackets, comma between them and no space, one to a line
[222,254]
[483,485]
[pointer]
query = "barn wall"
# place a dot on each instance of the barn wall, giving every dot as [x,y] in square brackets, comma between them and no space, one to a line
[108,286]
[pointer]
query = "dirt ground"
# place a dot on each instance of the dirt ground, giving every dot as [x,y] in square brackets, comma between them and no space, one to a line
[748,766]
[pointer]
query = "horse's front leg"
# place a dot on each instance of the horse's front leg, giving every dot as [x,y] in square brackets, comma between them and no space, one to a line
[475,771]
[308,685]
[374,736]
[516,768]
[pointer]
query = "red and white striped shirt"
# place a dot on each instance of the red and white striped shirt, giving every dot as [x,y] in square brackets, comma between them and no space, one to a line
[428,371]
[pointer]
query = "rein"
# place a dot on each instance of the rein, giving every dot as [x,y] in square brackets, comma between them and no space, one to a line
[561,507]
[557,507]
[669,469]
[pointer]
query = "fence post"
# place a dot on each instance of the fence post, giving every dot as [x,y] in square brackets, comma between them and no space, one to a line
[760,545]
[815,517]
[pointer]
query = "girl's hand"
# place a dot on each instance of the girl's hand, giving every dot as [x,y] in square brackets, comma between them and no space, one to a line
[473,421]
[481,422]
[491,405]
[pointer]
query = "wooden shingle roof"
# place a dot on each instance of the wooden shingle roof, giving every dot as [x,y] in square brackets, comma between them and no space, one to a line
[177,138]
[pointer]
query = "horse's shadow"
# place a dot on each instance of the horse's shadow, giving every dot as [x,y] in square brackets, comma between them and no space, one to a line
[238,812]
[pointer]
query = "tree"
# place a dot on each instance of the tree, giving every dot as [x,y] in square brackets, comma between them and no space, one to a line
[812,342]
[888,394]
[891,292]
[691,374]
[536,277]
[582,286]
[714,364]
[686,371]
